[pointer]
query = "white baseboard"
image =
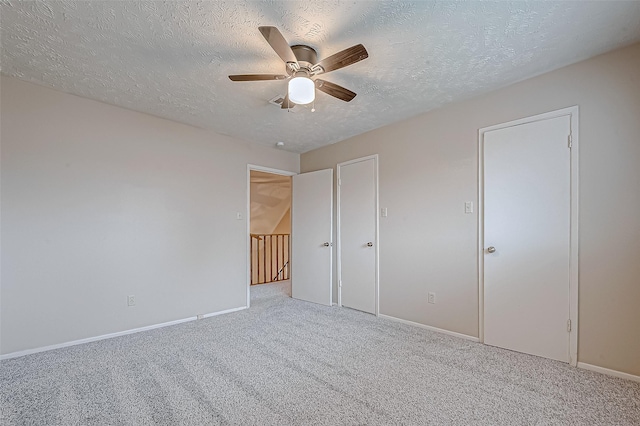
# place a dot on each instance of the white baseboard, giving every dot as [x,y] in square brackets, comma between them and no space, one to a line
[428,327]
[111,335]
[609,372]
[585,366]
[228,311]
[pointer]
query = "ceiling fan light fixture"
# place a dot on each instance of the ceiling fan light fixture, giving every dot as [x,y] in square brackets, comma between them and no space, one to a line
[302,90]
[302,64]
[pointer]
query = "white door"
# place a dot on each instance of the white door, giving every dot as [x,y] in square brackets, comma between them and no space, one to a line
[357,221]
[311,231]
[527,211]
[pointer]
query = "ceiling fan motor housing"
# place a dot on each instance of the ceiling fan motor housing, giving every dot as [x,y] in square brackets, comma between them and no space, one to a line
[306,56]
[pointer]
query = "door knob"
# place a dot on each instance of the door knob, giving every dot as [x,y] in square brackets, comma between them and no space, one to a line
[491,249]
[369,244]
[326,244]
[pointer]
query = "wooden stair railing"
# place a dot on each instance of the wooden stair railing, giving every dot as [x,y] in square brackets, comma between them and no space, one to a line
[270,258]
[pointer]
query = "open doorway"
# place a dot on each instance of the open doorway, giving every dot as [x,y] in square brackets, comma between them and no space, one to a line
[269,227]
[310,209]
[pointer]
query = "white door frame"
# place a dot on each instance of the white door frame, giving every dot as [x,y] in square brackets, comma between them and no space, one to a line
[248,216]
[377,230]
[572,112]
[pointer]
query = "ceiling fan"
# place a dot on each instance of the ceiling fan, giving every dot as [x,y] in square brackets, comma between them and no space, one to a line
[301,65]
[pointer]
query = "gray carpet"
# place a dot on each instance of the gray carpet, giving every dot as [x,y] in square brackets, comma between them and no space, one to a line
[286,362]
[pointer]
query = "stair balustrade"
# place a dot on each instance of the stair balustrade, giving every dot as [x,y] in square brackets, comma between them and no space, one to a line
[270,255]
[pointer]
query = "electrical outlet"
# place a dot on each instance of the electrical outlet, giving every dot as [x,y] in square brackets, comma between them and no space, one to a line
[131,300]
[200,316]
[432,297]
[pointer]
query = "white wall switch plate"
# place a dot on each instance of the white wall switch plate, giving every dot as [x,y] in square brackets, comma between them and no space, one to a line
[383,212]
[131,300]
[468,206]
[432,297]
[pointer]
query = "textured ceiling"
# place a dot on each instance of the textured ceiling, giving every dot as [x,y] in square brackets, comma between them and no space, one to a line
[171,59]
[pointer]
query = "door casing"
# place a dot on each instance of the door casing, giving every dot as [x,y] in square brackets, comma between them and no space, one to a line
[572,112]
[377,229]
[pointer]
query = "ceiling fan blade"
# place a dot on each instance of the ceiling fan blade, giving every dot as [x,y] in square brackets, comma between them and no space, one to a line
[278,43]
[335,90]
[257,77]
[344,58]
[286,103]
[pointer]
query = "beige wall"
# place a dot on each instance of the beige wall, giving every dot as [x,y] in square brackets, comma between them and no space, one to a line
[270,196]
[99,202]
[284,227]
[428,169]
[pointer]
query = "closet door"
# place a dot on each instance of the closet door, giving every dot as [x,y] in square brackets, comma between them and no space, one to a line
[527,224]
[358,245]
